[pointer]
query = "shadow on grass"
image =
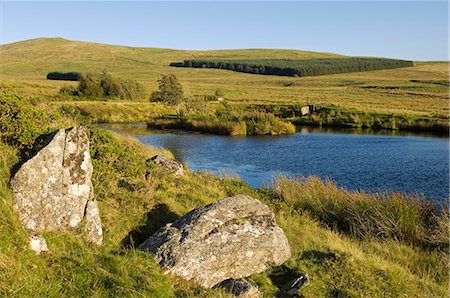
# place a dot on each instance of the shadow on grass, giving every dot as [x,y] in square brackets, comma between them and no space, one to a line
[155,219]
[282,278]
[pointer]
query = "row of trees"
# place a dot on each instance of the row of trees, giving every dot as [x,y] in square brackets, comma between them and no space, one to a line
[63,76]
[104,85]
[284,67]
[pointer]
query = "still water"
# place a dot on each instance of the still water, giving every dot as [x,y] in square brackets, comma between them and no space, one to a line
[401,162]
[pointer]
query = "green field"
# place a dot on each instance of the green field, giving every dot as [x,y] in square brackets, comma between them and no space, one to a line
[417,90]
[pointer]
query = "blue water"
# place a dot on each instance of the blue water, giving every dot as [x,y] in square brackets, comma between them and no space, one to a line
[411,163]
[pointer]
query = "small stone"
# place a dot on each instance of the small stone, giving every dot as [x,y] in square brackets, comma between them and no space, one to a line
[93,223]
[37,243]
[240,288]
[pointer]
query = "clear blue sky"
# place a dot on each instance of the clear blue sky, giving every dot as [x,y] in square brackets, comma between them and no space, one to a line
[410,30]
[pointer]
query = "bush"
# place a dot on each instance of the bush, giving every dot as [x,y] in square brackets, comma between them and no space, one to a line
[90,85]
[105,85]
[69,90]
[219,93]
[20,121]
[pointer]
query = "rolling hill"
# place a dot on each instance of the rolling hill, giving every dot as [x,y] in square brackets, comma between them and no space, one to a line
[410,90]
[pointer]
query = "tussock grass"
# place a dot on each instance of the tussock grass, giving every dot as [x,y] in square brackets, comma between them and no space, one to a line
[248,124]
[405,218]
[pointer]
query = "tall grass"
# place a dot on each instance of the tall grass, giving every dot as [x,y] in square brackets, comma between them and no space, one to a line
[409,219]
[242,125]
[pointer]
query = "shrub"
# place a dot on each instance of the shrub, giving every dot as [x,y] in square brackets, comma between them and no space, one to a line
[90,85]
[105,85]
[20,121]
[219,93]
[69,90]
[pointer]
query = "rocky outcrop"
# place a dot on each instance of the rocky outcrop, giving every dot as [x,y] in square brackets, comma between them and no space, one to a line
[171,165]
[240,288]
[53,189]
[232,238]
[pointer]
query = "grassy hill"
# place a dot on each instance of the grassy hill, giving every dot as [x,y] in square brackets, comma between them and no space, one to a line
[412,90]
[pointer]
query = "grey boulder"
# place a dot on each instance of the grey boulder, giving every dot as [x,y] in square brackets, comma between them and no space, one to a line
[53,189]
[232,238]
[171,165]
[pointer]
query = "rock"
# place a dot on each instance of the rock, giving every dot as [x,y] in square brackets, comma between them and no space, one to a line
[292,288]
[93,223]
[53,188]
[37,243]
[240,288]
[171,165]
[305,110]
[232,238]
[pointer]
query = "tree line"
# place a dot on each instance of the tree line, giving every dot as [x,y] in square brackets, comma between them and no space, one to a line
[286,67]
[63,76]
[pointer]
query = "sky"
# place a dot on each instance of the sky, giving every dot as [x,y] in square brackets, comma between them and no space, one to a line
[409,30]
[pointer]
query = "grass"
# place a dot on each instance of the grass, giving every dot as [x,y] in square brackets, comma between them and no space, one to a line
[408,219]
[247,124]
[410,90]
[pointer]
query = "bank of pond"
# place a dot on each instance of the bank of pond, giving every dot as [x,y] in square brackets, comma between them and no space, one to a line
[282,119]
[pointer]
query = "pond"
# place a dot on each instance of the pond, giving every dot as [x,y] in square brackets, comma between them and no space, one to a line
[385,161]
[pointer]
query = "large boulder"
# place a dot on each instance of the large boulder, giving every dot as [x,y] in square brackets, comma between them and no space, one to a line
[232,238]
[53,190]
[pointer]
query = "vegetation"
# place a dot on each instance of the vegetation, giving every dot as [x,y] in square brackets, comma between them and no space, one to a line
[408,219]
[419,90]
[355,119]
[94,86]
[137,197]
[63,76]
[300,68]
[247,124]
[170,91]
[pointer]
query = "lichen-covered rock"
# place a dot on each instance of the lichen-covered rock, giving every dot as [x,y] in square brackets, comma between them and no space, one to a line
[38,187]
[171,165]
[76,173]
[53,188]
[232,238]
[94,230]
[240,288]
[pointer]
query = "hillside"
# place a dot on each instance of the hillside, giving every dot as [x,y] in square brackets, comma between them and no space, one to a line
[411,90]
